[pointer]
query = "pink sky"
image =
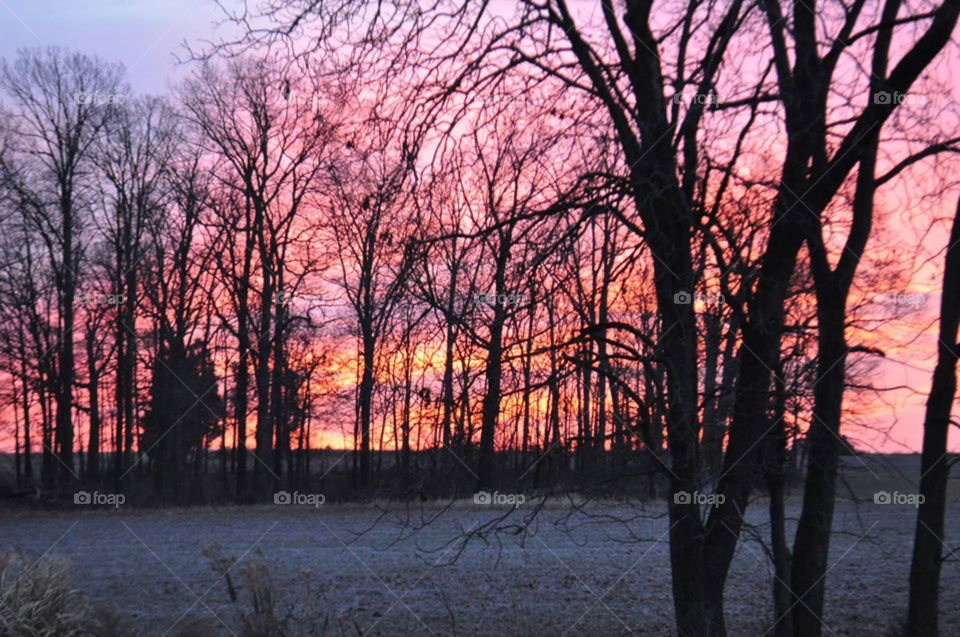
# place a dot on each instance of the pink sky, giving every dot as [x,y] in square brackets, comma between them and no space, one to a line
[144,36]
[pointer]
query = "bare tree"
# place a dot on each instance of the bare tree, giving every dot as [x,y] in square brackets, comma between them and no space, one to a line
[928,545]
[369,222]
[64,100]
[133,157]
[268,144]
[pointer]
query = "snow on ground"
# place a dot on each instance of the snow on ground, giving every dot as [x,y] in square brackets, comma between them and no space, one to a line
[355,571]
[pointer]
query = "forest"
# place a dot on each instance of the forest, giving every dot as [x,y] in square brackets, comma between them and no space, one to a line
[510,253]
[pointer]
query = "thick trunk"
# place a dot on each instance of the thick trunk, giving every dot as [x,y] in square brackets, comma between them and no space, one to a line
[241,400]
[494,369]
[552,430]
[17,456]
[585,443]
[126,357]
[759,353]
[928,546]
[673,277]
[812,543]
[603,362]
[125,337]
[491,403]
[686,530]
[525,437]
[782,596]
[309,419]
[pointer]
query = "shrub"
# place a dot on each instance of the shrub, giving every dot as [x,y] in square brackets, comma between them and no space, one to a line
[37,599]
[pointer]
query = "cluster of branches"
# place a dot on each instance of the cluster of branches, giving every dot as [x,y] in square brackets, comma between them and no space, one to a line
[827,81]
[150,247]
[513,246]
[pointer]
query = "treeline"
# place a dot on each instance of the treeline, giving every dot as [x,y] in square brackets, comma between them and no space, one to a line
[216,281]
[491,241]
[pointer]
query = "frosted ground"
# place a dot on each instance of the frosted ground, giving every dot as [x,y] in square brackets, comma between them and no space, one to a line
[398,570]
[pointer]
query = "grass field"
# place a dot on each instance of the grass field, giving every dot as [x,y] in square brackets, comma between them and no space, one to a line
[382,569]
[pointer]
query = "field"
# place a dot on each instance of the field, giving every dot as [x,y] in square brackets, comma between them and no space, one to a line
[393,569]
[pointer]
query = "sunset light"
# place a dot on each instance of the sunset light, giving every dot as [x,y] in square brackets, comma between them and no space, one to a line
[596,317]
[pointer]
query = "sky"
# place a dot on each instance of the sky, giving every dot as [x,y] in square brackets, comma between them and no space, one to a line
[146,36]
[143,35]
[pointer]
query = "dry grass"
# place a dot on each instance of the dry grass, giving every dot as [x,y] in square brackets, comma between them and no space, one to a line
[37,598]
[257,595]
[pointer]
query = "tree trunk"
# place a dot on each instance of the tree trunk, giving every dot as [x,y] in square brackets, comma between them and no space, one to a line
[241,387]
[812,543]
[527,362]
[25,398]
[928,546]
[603,361]
[407,396]
[278,373]
[491,401]
[264,433]
[761,347]
[65,359]
[713,430]
[130,354]
[17,455]
[365,398]
[93,446]
[775,477]
[449,342]
[47,470]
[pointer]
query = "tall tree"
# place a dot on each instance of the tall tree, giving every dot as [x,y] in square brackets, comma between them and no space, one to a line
[132,158]
[928,545]
[370,224]
[268,144]
[63,103]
